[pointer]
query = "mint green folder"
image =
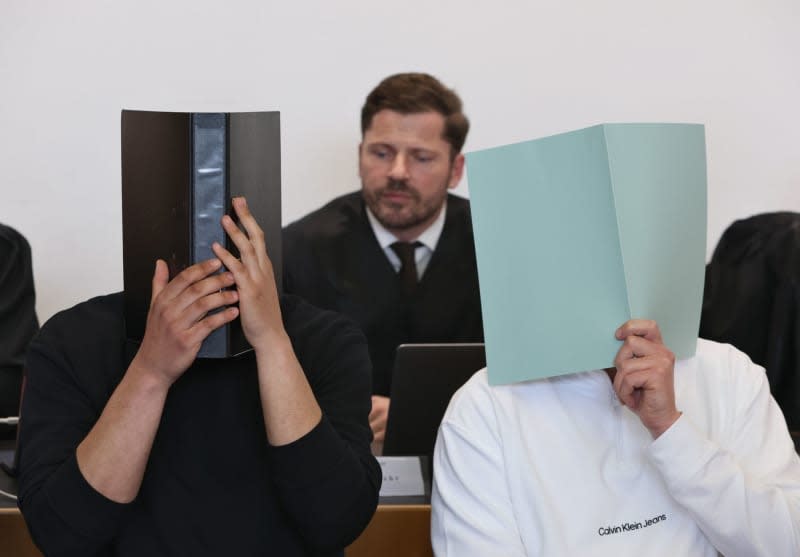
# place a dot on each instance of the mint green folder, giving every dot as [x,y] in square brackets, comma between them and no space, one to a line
[577,233]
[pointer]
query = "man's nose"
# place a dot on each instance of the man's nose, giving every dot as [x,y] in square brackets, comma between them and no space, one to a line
[399,169]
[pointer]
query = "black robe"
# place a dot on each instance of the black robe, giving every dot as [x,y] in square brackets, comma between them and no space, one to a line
[18,323]
[752,300]
[332,259]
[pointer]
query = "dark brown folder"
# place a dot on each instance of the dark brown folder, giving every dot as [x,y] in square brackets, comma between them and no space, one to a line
[179,173]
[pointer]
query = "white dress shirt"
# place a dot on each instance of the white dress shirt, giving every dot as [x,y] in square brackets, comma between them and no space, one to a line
[422,255]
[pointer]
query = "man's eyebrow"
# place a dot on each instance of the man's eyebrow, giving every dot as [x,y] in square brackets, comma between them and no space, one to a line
[381,144]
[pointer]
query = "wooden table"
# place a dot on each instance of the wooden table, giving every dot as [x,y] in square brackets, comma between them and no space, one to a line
[395,531]
[14,538]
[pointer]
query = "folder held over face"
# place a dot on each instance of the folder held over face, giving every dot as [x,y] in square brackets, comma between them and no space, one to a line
[579,232]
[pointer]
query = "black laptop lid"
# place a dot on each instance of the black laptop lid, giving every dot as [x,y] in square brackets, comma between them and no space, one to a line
[424,379]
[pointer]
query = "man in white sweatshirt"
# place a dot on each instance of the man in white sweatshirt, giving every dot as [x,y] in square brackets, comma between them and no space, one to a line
[650,458]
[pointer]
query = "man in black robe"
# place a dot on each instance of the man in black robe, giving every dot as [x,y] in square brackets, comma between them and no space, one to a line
[18,323]
[397,256]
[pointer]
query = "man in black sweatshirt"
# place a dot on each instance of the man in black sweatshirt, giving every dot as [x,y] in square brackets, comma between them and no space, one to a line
[130,449]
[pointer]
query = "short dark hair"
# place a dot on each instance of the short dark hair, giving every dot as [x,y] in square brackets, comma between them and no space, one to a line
[411,93]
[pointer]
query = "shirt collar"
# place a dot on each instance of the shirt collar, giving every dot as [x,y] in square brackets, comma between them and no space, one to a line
[429,238]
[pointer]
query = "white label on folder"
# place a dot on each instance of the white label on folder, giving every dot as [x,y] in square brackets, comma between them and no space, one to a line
[402,476]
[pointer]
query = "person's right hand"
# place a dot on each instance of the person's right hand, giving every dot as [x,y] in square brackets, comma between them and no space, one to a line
[178,319]
[378,416]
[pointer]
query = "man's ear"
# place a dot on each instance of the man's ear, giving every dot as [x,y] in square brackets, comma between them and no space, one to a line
[361,144]
[456,172]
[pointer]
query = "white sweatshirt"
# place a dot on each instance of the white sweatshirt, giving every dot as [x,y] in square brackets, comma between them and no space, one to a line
[558,468]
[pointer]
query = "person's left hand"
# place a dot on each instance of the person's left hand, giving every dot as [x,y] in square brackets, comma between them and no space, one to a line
[644,375]
[253,275]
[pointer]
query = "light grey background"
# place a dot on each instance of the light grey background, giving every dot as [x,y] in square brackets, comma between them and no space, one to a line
[524,69]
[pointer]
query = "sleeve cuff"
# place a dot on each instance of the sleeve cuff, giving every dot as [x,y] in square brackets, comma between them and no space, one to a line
[78,504]
[309,458]
[681,451]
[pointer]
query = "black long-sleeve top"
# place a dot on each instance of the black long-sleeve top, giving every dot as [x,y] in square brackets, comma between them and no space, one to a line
[213,484]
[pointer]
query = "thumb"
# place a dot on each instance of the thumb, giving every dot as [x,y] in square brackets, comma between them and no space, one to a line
[160,279]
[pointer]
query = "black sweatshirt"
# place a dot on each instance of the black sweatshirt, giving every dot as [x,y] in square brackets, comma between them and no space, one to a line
[213,484]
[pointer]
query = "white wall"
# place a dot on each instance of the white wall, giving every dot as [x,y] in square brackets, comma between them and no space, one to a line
[524,69]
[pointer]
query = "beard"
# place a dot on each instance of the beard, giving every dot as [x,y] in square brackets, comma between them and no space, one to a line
[408,214]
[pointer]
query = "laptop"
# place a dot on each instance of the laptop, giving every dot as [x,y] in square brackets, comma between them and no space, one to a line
[424,378]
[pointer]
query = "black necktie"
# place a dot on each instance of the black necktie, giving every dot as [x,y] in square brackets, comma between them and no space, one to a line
[408,265]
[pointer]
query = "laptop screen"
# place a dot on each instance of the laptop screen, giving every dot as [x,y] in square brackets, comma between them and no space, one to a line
[424,378]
